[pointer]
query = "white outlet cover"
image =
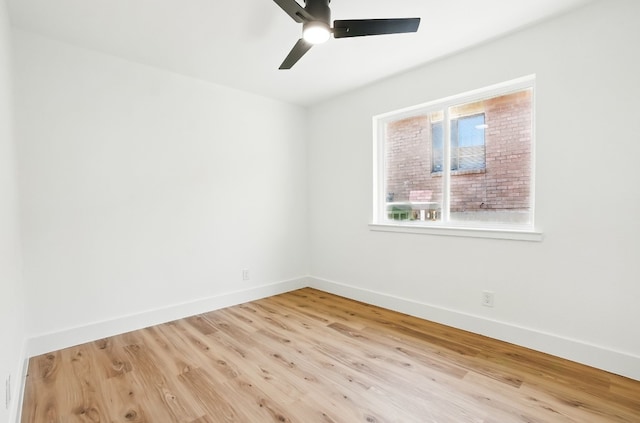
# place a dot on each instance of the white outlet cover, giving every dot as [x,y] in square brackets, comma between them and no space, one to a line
[487,298]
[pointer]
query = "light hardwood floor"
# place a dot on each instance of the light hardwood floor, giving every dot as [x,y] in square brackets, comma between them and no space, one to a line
[308,356]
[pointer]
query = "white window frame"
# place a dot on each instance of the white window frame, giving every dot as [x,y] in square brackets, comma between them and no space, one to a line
[445,226]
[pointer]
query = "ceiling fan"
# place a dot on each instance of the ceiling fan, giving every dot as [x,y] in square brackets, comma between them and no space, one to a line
[315,18]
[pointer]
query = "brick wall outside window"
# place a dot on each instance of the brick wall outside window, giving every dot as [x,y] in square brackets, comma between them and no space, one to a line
[504,184]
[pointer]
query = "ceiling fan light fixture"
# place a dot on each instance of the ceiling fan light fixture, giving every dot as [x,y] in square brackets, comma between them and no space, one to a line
[316,32]
[315,18]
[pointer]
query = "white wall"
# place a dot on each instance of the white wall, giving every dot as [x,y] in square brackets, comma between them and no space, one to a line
[11,286]
[142,189]
[576,293]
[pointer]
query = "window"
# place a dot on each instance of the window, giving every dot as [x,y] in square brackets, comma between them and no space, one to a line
[486,136]
[467,143]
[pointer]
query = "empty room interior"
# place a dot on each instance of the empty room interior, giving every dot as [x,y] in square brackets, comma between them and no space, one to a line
[204,219]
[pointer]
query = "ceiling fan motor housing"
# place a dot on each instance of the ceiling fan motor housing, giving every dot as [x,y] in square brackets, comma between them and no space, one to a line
[319,9]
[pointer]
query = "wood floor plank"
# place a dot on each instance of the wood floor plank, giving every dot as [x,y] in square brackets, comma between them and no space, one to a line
[311,357]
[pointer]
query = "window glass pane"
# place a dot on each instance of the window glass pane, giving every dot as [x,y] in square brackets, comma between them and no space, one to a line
[467,143]
[471,131]
[412,190]
[454,145]
[437,136]
[493,178]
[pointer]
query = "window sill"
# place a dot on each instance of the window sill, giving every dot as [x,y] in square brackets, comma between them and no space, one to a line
[491,233]
[438,173]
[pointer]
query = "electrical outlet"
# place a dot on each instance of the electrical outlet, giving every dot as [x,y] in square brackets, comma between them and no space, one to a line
[245,274]
[487,298]
[7,392]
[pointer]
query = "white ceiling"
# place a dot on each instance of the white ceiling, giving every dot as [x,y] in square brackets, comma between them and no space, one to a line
[241,43]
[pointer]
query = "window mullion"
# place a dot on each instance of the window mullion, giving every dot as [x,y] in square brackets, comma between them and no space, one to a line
[446,165]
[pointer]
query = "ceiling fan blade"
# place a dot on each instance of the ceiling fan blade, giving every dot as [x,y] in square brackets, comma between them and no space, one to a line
[296,53]
[363,27]
[294,10]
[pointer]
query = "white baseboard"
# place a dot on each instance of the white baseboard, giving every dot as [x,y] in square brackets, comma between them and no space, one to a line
[17,392]
[571,349]
[617,362]
[93,331]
